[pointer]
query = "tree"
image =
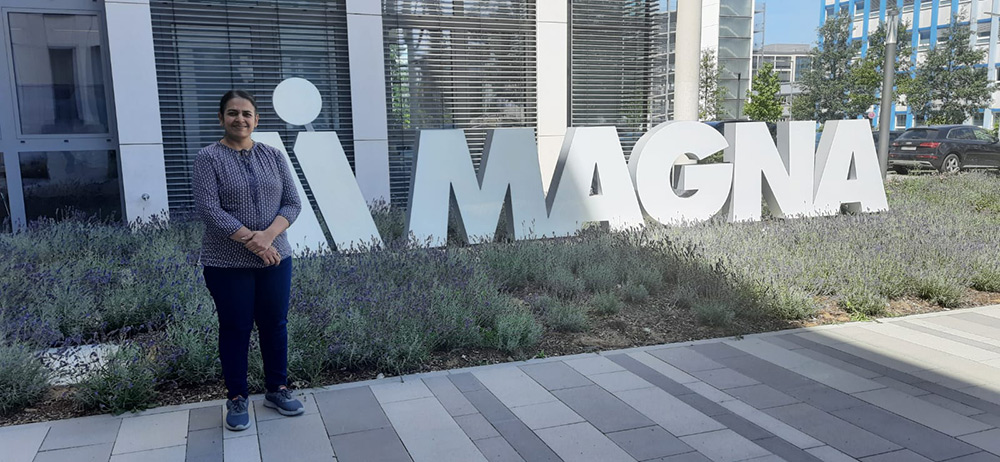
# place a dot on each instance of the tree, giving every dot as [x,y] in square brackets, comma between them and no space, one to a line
[948,87]
[710,95]
[904,52]
[763,102]
[839,83]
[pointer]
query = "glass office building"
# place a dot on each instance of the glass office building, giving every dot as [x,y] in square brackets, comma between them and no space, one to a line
[104,104]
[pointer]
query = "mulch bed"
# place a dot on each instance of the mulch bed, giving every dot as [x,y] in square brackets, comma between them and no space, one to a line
[654,322]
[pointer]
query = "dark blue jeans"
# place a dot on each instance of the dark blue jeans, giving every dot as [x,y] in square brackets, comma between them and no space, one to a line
[242,297]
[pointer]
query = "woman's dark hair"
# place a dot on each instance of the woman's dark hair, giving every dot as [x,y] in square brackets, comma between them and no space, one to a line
[232,94]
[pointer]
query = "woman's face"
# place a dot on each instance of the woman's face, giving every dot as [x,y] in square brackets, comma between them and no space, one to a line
[239,119]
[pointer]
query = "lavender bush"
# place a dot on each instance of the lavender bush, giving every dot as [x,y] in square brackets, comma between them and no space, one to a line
[23,379]
[389,309]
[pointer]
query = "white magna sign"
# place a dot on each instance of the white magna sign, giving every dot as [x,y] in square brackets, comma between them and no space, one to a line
[592,182]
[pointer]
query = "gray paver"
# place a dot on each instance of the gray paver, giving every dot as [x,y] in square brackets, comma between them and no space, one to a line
[581,442]
[824,398]
[772,425]
[476,426]
[302,435]
[977,457]
[951,405]
[905,433]
[95,453]
[242,449]
[724,446]
[762,396]
[527,444]
[204,418]
[205,445]
[724,378]
[719,350]
[263,412]
[21,443]
[555,375]
[743,427]
[668,411]
[171,454]
[489,406]
[429,433]
[513,387]
[828,454]
[664,376]
[381,444]
[920,411]
[401,391]
[649,443]
[154,431]
[81,432]
[619,381]
[835,432]
[902,455]
[988,440]
[687,359]
[466,382]
[546,415]
[593,365]
[785,450]
[350,410]
[450,397]
[602,409]
[901,386]
[689,457]
[498,450]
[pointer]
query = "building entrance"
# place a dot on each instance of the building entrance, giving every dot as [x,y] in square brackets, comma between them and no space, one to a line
[57,129]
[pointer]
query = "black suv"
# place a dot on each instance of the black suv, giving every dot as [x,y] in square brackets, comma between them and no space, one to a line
[945,148]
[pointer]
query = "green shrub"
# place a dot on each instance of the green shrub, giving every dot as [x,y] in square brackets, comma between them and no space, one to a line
[599,276]
[864,303]
[635,293]
[940,291]
[987,280]
[125,382]
[713,312]
[515,331]
[190,348]
[561,282]
[606,303]
[562,316]
[23,378]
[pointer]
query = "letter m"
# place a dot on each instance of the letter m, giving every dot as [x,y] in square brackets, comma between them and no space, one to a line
[444,180]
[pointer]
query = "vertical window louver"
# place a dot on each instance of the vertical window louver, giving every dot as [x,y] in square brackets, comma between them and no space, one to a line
[611,51]
[456,64]
[207,47]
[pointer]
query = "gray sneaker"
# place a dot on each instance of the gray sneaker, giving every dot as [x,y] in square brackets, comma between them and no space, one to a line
[283,402]
[237,417]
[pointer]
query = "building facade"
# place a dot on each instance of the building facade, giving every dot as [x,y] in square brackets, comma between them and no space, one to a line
[728,30]
[789,61]
[926,18]
[105,103]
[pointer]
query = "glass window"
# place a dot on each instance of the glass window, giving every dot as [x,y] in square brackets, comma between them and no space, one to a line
[983,135]
[59,73]
[900,120]
[919,134]
[59,183]
[4,201]
[961,134]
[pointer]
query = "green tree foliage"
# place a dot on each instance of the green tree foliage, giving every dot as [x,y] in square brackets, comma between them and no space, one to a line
[904,54]
[710,94]
[763,102]
[948,88]
[839,84]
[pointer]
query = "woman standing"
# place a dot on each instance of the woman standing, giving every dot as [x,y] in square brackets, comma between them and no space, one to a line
[245,195]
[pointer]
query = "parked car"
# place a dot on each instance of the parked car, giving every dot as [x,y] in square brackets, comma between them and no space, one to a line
[893,134]
[945,148]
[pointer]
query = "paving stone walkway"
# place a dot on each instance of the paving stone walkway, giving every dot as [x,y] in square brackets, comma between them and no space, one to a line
[922,388]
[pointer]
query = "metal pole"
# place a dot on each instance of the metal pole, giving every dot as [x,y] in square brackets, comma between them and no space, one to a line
[888,75]
[739,98]
[687,59]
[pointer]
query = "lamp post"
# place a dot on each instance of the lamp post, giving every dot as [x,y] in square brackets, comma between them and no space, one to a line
[888,75]
[739,101]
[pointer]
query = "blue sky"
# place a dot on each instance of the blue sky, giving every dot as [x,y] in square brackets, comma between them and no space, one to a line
[791,21]
[788,21]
